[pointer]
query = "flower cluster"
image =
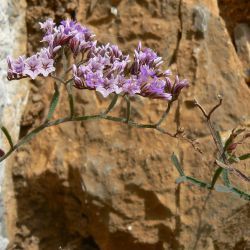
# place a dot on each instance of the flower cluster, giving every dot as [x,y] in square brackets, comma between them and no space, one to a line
[104,68]
[38,64]
[68,33]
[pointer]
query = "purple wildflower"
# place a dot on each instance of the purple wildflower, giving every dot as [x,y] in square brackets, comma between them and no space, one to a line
[120,81]
[106,69]
[145,56]
[78,81]
[15,67]
[131,87]
[33,66]
[176,87]
[70,33]
[167,72]
[94,80]
[106,87]
[47,66]
[47,26]
[156,90]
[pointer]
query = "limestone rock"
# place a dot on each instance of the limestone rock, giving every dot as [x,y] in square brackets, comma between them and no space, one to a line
[13,98]
[102,185]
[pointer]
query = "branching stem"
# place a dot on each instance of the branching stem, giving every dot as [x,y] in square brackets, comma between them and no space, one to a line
[224,164]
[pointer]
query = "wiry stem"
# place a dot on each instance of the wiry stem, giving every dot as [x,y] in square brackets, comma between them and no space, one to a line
[58,79]
[128,109]
[71,99]
[101,116]
[164,114]
[219,146]
[111,105]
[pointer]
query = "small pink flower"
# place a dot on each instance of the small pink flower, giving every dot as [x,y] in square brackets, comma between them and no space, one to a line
[33,67]
[47,66]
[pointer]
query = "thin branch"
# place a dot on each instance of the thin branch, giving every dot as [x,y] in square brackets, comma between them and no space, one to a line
[234,170]
[208,115]
[64,60]
[58,79]
[164,114]
[211,127]
[47,124]
[215,107]
[111,105]
[71,99]
[223,165]
[196,103]
[77,64]
[69,80]
[128,108]
[8,136]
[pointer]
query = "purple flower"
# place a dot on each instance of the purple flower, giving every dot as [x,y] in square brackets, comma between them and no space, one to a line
[105,69]
[145,56]
[68,25]
[145,74]
[18,65]
[15,67]
[33,67]
[176,87]
[94,80]
[131,86]
[167,72]
[78,81]
[47,66]
[47,26]
[97,63]
[78,37]
[156,90]
[120,81]
[106,87]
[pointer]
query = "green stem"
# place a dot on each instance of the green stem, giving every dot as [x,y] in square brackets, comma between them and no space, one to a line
[240,193]
[226,178]
[164,114]
[71,99]
[128,109]
[216,175]
[47,124]
[111,105]
[8,136]
[198,182]
[54,102]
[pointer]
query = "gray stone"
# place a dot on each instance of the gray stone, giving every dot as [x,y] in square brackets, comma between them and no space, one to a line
[13,96]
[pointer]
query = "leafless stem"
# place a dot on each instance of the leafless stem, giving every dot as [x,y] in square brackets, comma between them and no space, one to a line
[164,114]
[234,170]
[215,107]
[58,79]
[225,164]
[210,125]
[196,103]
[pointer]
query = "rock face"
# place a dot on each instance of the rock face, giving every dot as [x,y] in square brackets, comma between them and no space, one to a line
[13,98]
[102,185]
[237,19]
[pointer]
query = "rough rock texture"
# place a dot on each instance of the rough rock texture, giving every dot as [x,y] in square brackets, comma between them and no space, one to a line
[13,98]
[242,42]
[131,200]
[237,19]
